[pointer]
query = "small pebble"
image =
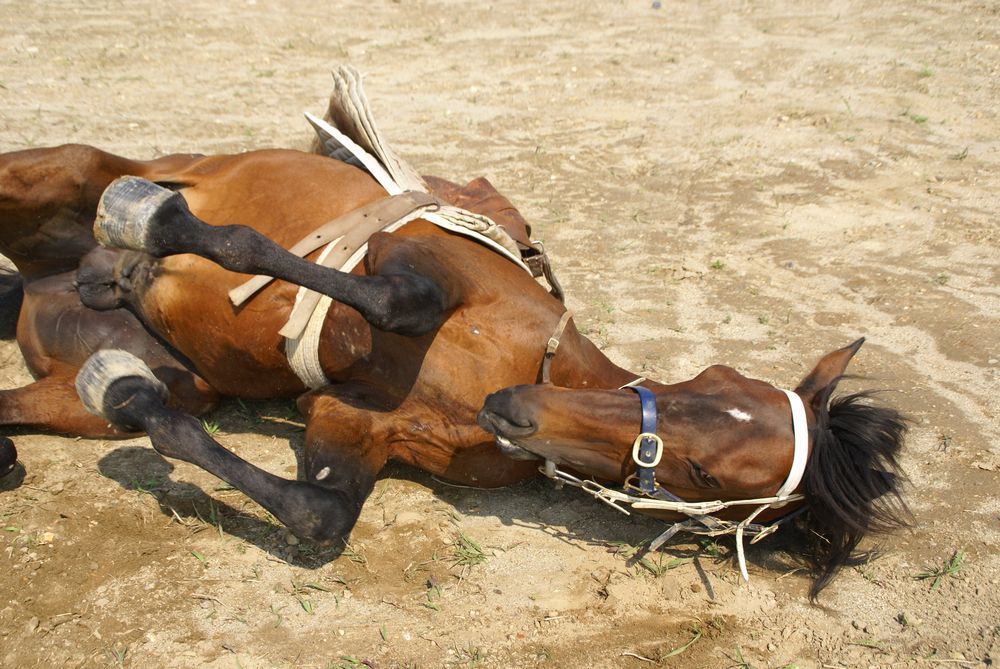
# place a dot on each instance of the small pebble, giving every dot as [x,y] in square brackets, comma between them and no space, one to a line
[291,540]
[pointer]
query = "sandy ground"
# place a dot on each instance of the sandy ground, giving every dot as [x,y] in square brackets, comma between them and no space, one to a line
[749,183]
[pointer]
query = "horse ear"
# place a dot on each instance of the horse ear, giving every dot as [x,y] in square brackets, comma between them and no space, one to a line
[820,383]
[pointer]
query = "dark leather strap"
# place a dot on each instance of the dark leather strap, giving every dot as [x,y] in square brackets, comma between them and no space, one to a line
[552,345]
[646,460]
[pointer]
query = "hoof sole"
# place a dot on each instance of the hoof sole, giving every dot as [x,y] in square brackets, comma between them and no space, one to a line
[127,211]
[105,367]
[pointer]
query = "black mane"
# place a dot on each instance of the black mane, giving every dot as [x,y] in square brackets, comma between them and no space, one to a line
[852,483]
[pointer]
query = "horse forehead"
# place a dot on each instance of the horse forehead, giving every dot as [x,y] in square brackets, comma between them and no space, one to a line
[722,377]
[726,386]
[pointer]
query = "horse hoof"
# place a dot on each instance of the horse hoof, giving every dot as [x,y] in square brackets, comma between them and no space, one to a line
[8,456]
[105,367]
[129,209]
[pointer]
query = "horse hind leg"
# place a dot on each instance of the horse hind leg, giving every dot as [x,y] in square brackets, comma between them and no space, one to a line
[137,214]
[51,404]
[56,335]
[119,387]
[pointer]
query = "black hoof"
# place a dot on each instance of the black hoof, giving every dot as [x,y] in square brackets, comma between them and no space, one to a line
[129,212]
[8,456]
[104,368]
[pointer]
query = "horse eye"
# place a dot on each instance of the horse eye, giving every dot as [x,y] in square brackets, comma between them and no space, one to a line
[705,477]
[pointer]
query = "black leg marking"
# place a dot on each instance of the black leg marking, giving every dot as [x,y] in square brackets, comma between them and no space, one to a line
[131,400]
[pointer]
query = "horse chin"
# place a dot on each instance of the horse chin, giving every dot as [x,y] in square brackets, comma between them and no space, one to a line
[513,450]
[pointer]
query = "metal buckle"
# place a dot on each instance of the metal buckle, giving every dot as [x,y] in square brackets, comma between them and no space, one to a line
[637,444]
[630,487]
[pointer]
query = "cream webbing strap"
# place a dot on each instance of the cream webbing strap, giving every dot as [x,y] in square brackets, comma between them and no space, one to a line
[357,137]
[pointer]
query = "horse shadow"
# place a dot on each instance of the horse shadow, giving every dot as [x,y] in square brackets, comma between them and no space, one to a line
[570,515]
[223,508]
[566,514]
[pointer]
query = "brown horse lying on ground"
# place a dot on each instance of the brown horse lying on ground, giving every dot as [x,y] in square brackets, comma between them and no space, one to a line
[433,347]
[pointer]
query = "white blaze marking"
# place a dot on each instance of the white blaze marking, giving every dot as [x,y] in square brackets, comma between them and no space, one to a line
[739,415]
[323,473]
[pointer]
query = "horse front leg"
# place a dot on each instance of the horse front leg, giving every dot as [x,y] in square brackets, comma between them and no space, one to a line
[137,214]
[120,387]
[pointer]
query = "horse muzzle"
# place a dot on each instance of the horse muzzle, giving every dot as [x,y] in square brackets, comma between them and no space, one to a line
[500,417]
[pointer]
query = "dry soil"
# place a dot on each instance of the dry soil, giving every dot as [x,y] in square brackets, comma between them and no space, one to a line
[748,183]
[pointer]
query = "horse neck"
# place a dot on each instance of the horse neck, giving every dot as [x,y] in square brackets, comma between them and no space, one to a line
[578,363]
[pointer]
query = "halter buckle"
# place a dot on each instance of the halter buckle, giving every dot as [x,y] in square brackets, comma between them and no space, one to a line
[637,446]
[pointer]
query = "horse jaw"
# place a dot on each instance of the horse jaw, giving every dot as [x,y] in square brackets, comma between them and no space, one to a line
[512,450]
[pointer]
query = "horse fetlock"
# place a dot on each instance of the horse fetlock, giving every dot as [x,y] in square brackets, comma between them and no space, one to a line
[132,212]
[110,380]
[96,291]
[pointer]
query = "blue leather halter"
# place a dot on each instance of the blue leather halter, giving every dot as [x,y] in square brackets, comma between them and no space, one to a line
[648,448]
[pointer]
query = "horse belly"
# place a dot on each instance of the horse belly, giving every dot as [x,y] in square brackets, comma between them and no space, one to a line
[238,351]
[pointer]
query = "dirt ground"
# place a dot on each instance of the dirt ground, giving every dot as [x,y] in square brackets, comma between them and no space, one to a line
[748,183]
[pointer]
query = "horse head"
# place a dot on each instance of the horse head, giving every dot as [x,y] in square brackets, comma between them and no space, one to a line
[728,438]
